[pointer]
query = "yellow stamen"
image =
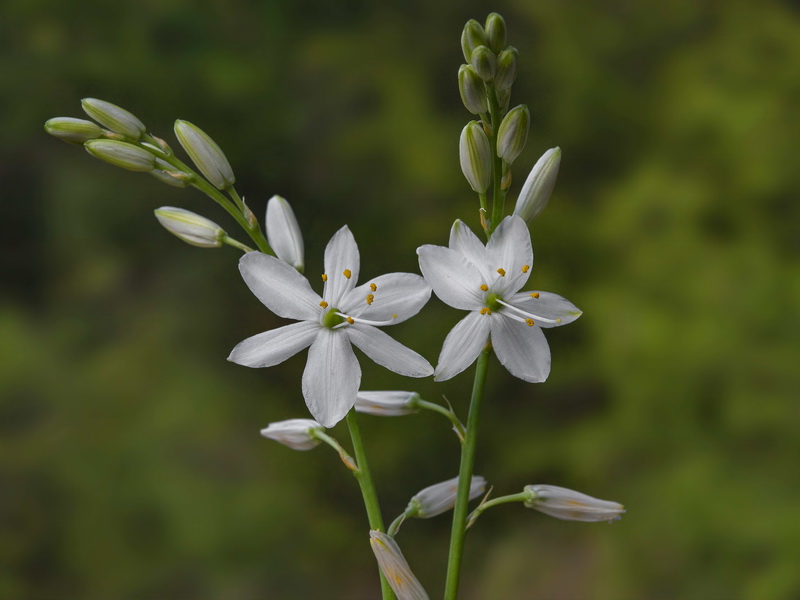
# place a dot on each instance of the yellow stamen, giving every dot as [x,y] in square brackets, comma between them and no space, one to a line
[485,311]
[529,322]
[373,287]
[558,320]
[484,287]
[324,277]
[394,316]
[502,272]
[323,304]
[525,268]
[347,273]
[534,294]
[370,298]
[350,320]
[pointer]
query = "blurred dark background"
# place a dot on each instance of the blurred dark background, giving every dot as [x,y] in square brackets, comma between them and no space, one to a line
[130,461]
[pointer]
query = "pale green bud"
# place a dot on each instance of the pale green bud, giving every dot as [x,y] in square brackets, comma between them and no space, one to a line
[475,153]
[472,37]
[570,505]
[297,434]
[117,119]
[283,232]
[121,154]
[538,186]
[513,133]
[504,99]
[485,63]
[74,131]
[441,497]
[395,567]
[472,90]
[205,154]
[506,68]
[190,227]
[496,32]
[387,404]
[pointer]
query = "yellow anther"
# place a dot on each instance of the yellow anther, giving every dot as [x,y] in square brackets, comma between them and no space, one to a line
[534,294]
[525,268]
[485,311]
[324,277]
[529,322]
[394,316]
[373,287]
[347,273]
[350,320]
[558,320]
[370,298]
[323,304]
[484,287]
[502,272]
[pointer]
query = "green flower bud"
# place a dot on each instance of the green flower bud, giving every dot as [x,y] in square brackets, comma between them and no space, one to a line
[506,68]
[496,32]
[504,99]
[190,227]
[115,118]
[74,131]
[538,186]
[472,89]
[472,37]
[475,153]
[513,133]
[205,154]
[121,154]
[485,63]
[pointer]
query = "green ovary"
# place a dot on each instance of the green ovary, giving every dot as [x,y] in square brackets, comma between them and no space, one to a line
[492,302]
[331,319]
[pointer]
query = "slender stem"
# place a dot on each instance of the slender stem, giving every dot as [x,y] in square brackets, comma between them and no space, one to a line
[364,478]
[498,195]
[394,527]
[236,244]
[465,478]
[521,497]
[457,425]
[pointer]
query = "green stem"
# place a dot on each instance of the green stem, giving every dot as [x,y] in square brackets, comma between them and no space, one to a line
[465,478]
[236,244]
[498,196]
[521,497]
[457,425]
[364,478]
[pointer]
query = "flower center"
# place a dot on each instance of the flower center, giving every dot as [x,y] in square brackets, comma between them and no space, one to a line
[493,301]
[332,318]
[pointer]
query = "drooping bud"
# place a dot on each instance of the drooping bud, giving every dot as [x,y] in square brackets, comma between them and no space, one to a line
[475,153]
[441,497]
[472,89]
[538,186]
[205,154]
[506,68]
[190,227]
[121,154]
[513,133]
[283,232]
[74,131]
[297,434]
[386,404]
[496,32]
[117,119]
[472,37]
[484,62]
[570,505]
[395,568]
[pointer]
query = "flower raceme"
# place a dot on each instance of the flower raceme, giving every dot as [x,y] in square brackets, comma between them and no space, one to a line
[345,315]
[486,280]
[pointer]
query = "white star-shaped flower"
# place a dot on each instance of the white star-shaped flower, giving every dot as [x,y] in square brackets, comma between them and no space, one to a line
[344,315]
[486,280]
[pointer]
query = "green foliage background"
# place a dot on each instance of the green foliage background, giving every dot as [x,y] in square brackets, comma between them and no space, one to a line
[130,461]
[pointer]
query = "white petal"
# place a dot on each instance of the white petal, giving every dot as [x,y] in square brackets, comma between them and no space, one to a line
[342,263]
[280,287]
[462,345]
[521,349]
[331,377]
[275,346]
[547,305]
[510,249]
[388,352]
[400,294]
[283,232]
[463,241]
[453,278]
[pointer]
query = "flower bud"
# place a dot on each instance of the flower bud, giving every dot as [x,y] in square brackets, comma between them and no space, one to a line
[74,131]
[496,32]
[472,37]
[504,99]
[190,227]
[386,404]
[538,186]
[485,63]
[506,68]
[121,154]
[472,90]
[115,118]
[205,154]
[295,433]
[570,505]
[475,153]
[513,133]
[395,568]
[283,232]
[441,497]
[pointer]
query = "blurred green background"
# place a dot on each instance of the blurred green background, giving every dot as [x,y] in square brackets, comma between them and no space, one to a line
[130,461]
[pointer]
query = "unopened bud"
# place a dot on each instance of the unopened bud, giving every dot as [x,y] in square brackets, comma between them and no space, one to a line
[386,404]
[485,63]
[538,186]
[570,505]
[121,154]
[513,133]
[441,497]
[190,227]
[205,154]
[496,32]
[472,90]
[472,37]
[395,567]
[475,153]
[283,232]
[74,131]
[506,68]
[297,434]
[504,99]
[117,119]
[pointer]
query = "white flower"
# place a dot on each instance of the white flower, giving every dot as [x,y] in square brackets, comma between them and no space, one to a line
[486,281]
[570,505]
[283,232]
[395,568]
[386,404]
[441,497]
[344,315]
[295,433]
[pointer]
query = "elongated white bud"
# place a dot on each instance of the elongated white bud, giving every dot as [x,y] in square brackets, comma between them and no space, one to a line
[294,433]
[475,153]
[121,154]
[386,404]
[441,497]
[74,131]
[506,68]
[116,118]
[472,37]
[205,154]
[495,32]
[472,90]
[190,227]
[513,133]
[484,62]
[395,568]
[570,505]
[283,232]
[538,186]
